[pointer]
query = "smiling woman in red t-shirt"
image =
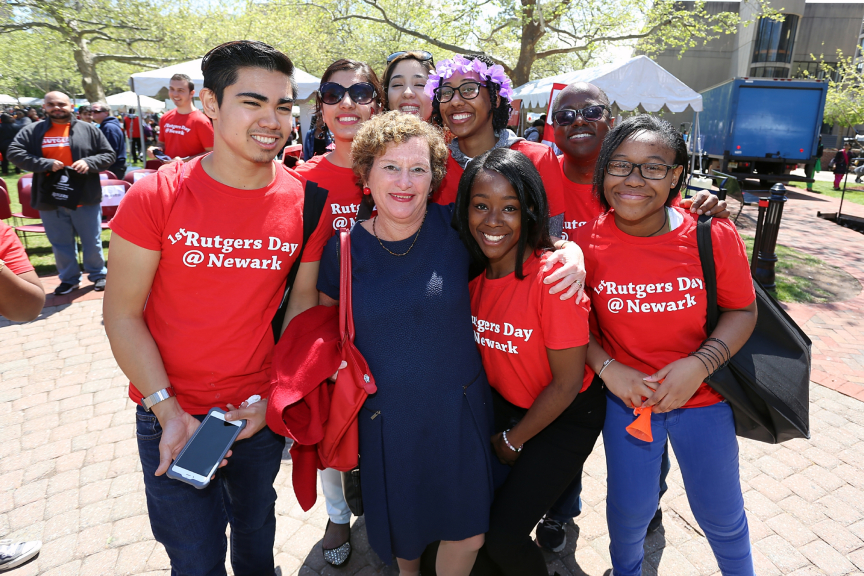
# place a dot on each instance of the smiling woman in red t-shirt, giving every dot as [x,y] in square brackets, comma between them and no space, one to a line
[649,300]
[533,345]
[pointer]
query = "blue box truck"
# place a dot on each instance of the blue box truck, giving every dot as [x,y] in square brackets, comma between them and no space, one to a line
[761,128]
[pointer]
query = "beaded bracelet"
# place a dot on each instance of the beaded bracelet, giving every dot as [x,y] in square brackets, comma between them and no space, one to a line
[507,442]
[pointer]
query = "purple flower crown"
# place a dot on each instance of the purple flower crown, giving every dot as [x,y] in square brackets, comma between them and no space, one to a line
[446,68]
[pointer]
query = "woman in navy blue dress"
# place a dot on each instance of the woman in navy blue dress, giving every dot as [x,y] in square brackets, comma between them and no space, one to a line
[427,465]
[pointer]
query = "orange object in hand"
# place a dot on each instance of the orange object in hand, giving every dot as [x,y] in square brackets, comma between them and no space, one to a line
[641,427]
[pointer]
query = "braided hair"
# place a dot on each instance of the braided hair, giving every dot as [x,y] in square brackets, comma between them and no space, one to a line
[500,113]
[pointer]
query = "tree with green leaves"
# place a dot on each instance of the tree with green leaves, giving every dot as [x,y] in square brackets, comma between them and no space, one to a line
[93,31]
[844,103]
[550,35]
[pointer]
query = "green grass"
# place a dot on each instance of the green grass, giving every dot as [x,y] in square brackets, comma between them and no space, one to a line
[37,245]
[792,287]
[827,189]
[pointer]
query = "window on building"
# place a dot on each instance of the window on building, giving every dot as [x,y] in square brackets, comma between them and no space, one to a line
[815,70]
[775,39]
[769,72]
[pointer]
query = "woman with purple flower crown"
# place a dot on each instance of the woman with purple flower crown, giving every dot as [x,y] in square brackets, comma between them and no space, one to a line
[471,96]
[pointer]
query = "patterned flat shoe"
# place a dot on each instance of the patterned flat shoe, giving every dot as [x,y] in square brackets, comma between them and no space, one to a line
[338,556]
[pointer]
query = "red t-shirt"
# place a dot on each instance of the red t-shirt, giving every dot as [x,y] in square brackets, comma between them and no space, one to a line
[185,134]
[582,207]
[344,192]
[133,130]
[542,157]
[648,294]
[55,144]
[515,321]
[225,256]
[12,252]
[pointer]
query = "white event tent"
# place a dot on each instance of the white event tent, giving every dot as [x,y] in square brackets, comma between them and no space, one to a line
[6,100]
[637,82]
[152,81]
[126,100]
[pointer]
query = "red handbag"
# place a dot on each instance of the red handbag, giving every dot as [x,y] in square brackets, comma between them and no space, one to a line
[320,415]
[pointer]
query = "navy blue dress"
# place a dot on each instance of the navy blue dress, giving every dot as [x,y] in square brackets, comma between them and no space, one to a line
[425,454]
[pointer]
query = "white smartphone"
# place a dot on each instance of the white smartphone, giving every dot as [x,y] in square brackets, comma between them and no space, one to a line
[205,450]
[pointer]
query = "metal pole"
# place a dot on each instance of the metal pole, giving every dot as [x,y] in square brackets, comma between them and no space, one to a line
[843,195]
[768,242]
[757,239]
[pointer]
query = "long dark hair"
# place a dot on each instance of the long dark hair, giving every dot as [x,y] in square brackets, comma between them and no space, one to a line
[391,67]
[525,180]
[635,124]
[500,112]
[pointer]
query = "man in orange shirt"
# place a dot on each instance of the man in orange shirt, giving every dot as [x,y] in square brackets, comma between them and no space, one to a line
[64,143]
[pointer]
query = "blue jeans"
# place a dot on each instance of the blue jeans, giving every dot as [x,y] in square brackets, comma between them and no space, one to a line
[707,450]
[191,523]
[60,227]
[569,504]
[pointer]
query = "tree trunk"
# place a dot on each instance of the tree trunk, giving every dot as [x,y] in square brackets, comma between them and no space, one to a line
[531,34]
[90,80]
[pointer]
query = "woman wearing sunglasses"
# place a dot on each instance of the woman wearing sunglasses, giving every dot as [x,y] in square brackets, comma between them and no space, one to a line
[349,95]
[646,284]
[405,79]
[472,98]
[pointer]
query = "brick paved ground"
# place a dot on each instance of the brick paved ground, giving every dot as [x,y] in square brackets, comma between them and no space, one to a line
[69,472]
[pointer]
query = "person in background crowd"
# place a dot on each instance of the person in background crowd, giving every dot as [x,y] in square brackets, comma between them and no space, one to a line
[317,141]
[405,81]
[113,132]
[548,414]
[61,142]
[22,119]
[213,347]
[132,128]
[85,113]
[817,166]
[841,163]
[348,96]
[472,98]
[34,115]
[184,132]
[535,132]
[642,240]
[8,130]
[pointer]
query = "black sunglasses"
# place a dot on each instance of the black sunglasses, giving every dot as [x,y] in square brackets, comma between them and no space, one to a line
[467,90]
[426,56]
[648,170]
[589,113]
[361,93]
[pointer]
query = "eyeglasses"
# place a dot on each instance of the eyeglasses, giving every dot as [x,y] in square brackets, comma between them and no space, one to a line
[360,93]
[589,113]
[467,90]
[649,171]
[426,56]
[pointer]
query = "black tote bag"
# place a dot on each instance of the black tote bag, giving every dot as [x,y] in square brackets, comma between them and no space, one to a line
[65,187]
[767,382]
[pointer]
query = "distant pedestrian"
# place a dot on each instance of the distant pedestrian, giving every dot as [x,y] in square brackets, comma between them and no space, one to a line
[817,166]
[535,132]
[110,127]
[22,119]
[8,130]
[80,151]
[840,164]
[132,125]
[85,113]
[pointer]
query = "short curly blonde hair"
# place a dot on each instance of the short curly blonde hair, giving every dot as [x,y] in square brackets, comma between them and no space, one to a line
[395,127]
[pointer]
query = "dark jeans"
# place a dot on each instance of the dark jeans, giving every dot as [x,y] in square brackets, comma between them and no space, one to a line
[546,466]
[191,523]
[136,148]
[569,505]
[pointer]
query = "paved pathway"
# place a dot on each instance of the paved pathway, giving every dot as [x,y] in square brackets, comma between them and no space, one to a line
[69,472]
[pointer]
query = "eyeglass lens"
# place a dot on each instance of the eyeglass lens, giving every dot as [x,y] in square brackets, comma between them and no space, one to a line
[361,93]
[622,168]
[467,90]
[568,117]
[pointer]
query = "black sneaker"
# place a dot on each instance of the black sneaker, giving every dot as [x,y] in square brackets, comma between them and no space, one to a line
[551,534]
[65,288]
[14,554]
[656,521]
[99,285]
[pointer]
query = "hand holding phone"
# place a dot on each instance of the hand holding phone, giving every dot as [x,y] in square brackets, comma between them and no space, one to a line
[208,446]
[160,155]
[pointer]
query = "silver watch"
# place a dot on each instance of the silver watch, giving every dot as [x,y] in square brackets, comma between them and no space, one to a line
[157,397]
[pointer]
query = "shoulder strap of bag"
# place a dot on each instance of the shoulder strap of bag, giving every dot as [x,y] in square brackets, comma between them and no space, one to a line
[314,200]
[346,314]
[706,257]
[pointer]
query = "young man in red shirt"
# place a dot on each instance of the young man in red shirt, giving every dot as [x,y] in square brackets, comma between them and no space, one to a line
[184,132]
[200,258]
[132,126]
